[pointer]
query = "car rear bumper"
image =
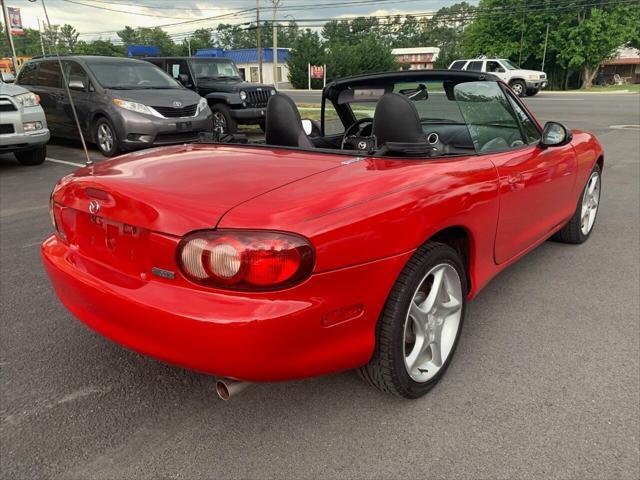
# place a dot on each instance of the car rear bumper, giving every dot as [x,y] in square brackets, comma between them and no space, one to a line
[326,324]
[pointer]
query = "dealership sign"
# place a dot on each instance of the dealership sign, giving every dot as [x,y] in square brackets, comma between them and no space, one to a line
[15,21]
[317,71]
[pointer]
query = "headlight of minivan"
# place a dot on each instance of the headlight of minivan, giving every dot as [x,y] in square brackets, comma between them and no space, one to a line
[27,99]
[202,105]
[133,106]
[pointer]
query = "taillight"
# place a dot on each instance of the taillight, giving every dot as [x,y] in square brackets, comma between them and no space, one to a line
[245,259]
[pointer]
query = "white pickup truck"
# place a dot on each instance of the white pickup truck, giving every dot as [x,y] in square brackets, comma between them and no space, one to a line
[522,82]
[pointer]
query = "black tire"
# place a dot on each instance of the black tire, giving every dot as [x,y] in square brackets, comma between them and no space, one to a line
[32,157]
[222,119]
[532,92]
[104,127]
[572,231]
[518,87]
[386,369]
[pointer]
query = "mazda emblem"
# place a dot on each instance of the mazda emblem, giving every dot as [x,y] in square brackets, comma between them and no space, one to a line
[94,207]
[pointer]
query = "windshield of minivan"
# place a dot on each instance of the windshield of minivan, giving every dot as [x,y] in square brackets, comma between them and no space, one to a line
[204,68]
[131,76]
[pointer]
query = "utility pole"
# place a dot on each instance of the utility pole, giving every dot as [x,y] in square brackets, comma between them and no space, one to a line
[258,40]
[275,44]
[7,27]
[189,44]
[41,39]
[544,53]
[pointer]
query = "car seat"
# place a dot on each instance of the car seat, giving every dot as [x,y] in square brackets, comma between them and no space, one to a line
[283,123]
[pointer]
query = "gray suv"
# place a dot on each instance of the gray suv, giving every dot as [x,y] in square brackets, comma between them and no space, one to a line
[122,103]
[23,126]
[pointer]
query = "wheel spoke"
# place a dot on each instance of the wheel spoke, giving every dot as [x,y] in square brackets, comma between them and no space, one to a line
[418,348]
[449,307]
[417,312]
[436,354]
[436,287]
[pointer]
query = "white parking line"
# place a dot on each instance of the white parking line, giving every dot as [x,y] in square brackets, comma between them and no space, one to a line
[64,162]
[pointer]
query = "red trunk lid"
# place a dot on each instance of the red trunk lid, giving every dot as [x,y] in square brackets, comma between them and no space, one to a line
[178,189]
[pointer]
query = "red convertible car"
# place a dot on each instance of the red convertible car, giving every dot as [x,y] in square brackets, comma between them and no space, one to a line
[354,242]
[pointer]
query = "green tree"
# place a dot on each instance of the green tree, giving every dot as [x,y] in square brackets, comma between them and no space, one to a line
[445,30]
[68,38]
[99,47]
[583,33]
[306,49]
[367,56]
[26,45]
[153,36]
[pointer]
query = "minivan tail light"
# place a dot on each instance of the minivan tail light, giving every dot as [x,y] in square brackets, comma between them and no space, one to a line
[245,259]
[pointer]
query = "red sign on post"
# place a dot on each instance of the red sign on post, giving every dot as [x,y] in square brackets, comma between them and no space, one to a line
[15,21]
[317,71]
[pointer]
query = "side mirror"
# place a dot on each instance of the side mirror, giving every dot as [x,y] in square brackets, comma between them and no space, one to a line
[183,78]
[501,70]
[8,77]
[555,134]
[311,127]
[77,85]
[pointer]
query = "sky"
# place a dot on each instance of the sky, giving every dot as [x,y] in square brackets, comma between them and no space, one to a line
[93,23]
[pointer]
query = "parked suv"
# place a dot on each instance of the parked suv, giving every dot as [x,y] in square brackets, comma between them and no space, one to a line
[522,82]
[232,100]
[23,126]
[122,103]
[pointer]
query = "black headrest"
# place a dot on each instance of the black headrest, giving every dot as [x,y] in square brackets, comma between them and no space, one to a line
[283,123]
[396,120]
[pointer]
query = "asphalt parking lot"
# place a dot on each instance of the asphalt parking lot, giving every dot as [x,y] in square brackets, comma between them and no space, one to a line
[545,382]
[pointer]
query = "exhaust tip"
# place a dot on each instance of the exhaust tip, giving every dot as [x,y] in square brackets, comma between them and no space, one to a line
[227,388]
[222,390]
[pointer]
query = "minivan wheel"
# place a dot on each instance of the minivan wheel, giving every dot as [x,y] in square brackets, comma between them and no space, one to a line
[106,138]
[222,120]
[32,157]
[420,325]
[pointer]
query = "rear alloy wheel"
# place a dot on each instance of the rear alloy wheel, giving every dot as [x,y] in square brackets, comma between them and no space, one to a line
[420,325]
[32,157]
[106,138]
[518,87]
[581,224]
[222,120]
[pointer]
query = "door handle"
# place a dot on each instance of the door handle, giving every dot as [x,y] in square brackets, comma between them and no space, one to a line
[516,181]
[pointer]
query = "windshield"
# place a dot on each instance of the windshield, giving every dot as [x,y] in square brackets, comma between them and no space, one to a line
[509,65]
[466,116]
[429,98]
[214,68]
[132,76]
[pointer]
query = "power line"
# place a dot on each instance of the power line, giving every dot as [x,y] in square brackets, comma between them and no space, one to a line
[422,17]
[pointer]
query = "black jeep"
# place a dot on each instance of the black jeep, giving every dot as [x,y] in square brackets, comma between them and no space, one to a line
[232,100]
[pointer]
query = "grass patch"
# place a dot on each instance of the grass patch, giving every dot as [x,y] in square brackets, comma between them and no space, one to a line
[631,87]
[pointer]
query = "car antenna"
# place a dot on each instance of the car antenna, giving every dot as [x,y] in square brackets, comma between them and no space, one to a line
[88,161]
